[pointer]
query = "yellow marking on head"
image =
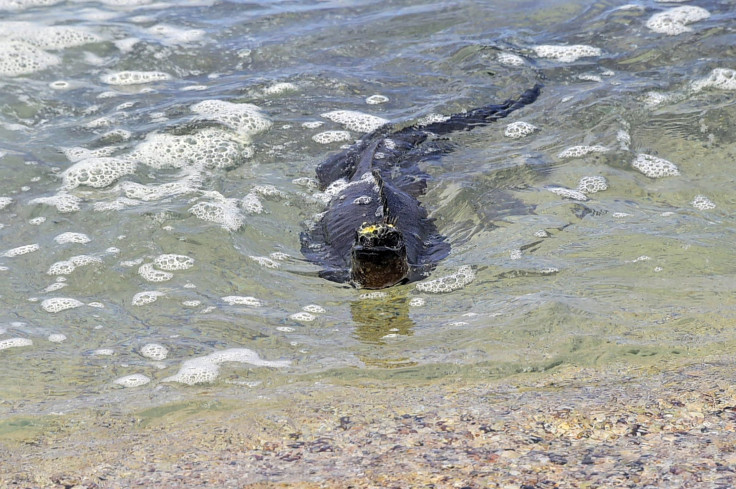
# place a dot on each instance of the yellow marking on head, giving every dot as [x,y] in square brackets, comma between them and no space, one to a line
[372,228]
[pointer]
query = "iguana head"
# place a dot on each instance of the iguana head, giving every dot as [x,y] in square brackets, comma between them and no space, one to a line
[378,257]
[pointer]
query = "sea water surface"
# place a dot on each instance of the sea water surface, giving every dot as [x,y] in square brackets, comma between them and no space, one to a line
[157,168]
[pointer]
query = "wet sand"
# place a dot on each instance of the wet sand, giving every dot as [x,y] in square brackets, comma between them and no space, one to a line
[623,427]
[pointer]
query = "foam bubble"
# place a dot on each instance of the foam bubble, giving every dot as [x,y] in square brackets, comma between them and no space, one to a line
[22,58]
[47,37]
[373,295]
[246,119]
[652,99]
[566,54]
[224,212]
[37,221]
[97,172]
[209,148]
[591,185]
[303,316]
[115,205]
[567,193]
[21,250]
[356,121]
[376,99]
[703,203]
[5,202]
[589,77]
[314,309]
[147,297]
[134,380]
[69,237]
[265,261]
[417,302]
[674,21]
[457,280]
[580,151]
[721,78]
[152,275]
[234,300]
[327,137]
[154,351]
[176,35]
[251,204]
[147,193]
[58,304]
[278,88]
[122,78]
[55,286]
[57,338]
[510,59]
[172,262]
[312,124]
[206,369]
[25,4]
[654,167]
[66,267]
[104,352]
[14,343]
[519,129]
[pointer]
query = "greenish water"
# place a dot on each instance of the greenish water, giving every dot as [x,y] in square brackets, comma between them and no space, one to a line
[641,270]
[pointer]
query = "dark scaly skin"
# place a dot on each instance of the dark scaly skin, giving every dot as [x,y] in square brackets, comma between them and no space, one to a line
[384,183]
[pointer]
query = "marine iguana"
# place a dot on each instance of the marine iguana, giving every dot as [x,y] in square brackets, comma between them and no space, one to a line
[375,233]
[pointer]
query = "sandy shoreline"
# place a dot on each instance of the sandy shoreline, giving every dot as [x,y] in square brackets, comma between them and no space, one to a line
[574,428]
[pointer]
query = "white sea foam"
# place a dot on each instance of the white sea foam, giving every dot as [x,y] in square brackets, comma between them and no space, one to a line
[592,184]
[376,99]
[654,167]
[567,54]
[146,297]
[510,59]
[5,202]
[206,369]
[314,309]
[58,304]
[223,211]
[457,280]
[355,121]
[97,172]
[265,261]
[134,380]
[328,137]
[303,317]
[674,21]
[580,151]
[14,343]
[236,300]
[21,250]
[57,338]
[122,78]
[25,4]
[245,119]
[567,193]
[209,148]
[171,262]
[47,37]
[703,203]
[154,351]
[69,237]
[720,78]
[22,58]
[152,275]
[519,129]
[278,88]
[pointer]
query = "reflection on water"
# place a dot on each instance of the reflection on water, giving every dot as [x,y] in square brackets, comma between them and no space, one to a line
[157,165]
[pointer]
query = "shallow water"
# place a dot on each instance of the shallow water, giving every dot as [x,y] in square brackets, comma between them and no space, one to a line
[540,278]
